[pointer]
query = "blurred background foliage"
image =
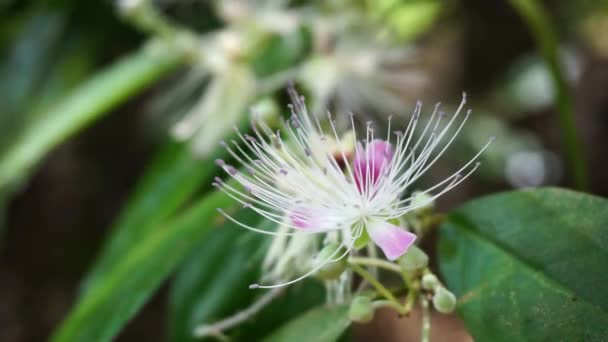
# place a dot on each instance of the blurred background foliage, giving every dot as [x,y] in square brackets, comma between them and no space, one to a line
[111,114]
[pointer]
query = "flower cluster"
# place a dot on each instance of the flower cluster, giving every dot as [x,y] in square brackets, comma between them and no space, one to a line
[309,186]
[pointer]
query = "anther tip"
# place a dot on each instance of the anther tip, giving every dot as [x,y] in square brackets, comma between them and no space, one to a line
[492,138]
[254,286]
[221,211]
[220,162]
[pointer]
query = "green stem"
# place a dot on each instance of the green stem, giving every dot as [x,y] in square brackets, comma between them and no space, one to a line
[374,282]
[147,18]
[426,320]
[376,263]
[534,15]
[387,304]
[90,101]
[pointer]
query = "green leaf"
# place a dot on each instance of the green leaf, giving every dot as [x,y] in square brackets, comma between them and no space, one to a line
[530,265]
[214,281]
[86,103]
[299,298]
[407,19]
[169,181]
[322,324]
[107,306]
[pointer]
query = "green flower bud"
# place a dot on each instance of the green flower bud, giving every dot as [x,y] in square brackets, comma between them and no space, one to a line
[443,300]
[331,270]
[429,281]
[361,310]
[414,259]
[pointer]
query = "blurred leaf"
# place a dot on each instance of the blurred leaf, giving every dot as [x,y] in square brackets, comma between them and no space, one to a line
[170,180]
[299,298]
[539,22]
[74,62]
[408,19]
[322,324]
[280,53]
[24,63]
[116,297]
[530,265]
[30,57]
[88,102]
[214,280]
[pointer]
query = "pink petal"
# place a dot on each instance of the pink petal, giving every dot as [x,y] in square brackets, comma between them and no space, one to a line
[393,240]
[374,159]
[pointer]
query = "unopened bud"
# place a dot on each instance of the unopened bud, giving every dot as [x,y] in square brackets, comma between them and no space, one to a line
[443,300]
[361,310]
[332,269]
[429,282]
[414,259]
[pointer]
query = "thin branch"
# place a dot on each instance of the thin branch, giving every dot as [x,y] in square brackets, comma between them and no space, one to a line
[217,329]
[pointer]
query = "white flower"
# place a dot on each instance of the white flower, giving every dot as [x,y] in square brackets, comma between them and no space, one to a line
[336,193]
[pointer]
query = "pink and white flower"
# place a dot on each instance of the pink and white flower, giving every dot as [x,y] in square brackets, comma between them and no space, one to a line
[302,183]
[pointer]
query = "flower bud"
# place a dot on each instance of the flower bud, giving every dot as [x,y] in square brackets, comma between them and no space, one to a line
[443,300]
[331,270]
[429,282]
[414,259]
[361,310]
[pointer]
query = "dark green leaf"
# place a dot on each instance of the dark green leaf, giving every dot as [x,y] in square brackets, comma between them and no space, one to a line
[299,298]
[171,179]
[214,282]
[322,324]
[107,306]
[530,266]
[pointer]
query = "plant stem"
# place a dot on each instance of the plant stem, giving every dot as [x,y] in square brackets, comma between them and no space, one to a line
[217,329]
[375,262]
[539,24]
[374,282]
[426,321]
